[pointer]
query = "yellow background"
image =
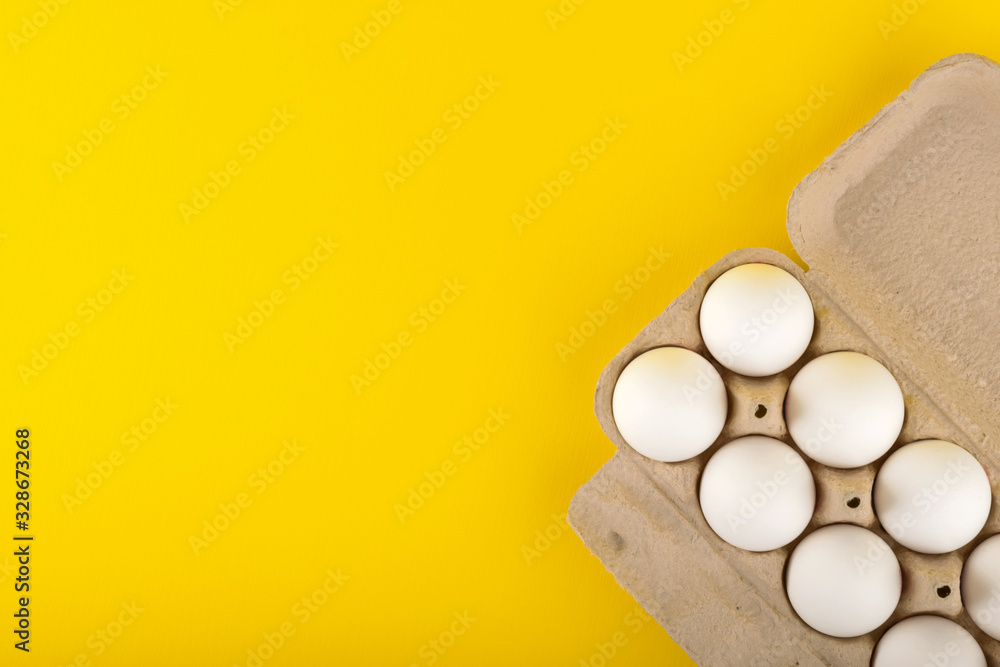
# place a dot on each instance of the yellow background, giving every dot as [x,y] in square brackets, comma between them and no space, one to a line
[467,549]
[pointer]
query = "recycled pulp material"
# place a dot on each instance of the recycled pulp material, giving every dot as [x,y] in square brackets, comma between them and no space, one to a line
[900,228]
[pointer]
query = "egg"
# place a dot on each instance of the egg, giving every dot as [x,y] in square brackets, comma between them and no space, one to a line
[927,640]
[843,580]
[670,404]
[844,409]
[757,493]
[932,496]
[756,319]
[981,586]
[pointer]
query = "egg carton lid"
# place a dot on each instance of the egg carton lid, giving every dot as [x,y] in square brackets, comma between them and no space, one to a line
[898,227]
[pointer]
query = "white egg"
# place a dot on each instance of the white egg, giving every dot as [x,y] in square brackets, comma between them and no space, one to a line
[932,496]
[670,404]
[927,640]
[844,409]
[757,493]
[756,319]
[843,580]
[981,586]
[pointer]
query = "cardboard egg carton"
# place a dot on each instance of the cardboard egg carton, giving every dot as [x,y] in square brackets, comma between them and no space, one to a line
[901,229]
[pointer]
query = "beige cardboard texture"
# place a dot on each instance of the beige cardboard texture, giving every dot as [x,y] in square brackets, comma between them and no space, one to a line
[899,228]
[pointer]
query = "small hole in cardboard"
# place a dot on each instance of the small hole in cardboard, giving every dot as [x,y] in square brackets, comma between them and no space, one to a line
[854,502]
[943,591]
[761,411]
